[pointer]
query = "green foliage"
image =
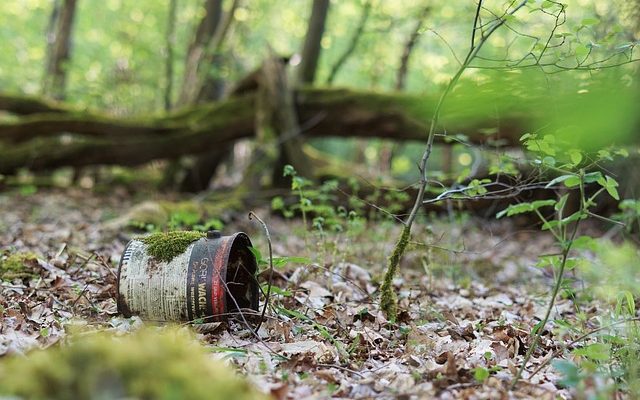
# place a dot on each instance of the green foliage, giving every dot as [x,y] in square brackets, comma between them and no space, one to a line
[278,262]
[149,364]
[629,215]
[571,376]
[153,216]
[165,246]
[480,374]
[520,208]
[577,168]
[318,203]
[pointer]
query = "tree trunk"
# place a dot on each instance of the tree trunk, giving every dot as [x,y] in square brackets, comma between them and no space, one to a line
[170,40]
[312,42]
[58,49]
[353,43]
[209,88]
[278,107]
[401,76]
[36,140]
[195,54]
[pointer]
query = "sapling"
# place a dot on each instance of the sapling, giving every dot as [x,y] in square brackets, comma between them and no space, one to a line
[388,297]
[563,227]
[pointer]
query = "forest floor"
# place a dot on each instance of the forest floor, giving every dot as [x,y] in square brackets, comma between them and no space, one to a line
[468,301]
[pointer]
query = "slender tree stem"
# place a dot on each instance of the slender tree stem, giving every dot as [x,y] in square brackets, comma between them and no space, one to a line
[388,299]
[473,52]
[268,296]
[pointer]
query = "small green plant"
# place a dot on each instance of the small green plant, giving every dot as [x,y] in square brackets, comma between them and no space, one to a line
[278,262]
[28,189]
[321,216]
[575,174]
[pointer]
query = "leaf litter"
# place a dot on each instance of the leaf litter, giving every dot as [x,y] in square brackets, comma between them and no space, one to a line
[463,312]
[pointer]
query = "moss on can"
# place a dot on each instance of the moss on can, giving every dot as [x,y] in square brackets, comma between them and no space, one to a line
[165,246]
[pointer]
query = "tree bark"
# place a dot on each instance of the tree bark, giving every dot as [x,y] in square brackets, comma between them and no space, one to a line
[208,88]
[312,42]
[58,49]
[27,105]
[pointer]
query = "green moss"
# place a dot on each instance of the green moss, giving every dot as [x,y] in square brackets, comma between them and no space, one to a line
[164,246]
[388,297]
[148,364]
[17,266]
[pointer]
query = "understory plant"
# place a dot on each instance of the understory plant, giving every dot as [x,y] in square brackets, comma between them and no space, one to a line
[579,185]
[323,216]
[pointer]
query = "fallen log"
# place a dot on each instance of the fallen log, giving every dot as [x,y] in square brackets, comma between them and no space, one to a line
[25,105]
[48,137]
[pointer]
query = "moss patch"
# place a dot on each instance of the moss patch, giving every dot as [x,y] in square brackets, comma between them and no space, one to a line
[148,364]
[165,246]
[17,266]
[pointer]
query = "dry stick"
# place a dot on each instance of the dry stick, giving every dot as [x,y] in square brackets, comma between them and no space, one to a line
[388,301]
[266,232]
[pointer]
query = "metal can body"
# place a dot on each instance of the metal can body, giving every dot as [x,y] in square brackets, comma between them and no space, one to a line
[212,277]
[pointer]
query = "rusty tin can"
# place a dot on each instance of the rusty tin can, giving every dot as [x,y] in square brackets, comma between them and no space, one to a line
[213,277]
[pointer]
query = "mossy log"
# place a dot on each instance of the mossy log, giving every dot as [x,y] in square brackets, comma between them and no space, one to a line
[49,136]
[26,105]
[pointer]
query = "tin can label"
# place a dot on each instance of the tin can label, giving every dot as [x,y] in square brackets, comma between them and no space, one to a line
[206,272]
[153,289]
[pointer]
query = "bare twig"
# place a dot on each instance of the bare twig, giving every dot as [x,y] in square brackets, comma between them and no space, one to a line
[268,236]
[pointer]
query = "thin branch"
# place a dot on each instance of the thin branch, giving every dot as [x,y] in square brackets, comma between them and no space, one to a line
[268,236]
[473,51]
